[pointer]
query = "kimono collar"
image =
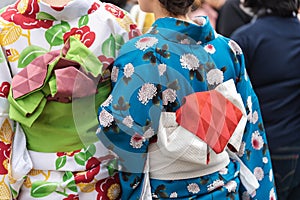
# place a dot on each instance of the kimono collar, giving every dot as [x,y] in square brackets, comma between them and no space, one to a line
[70,11]
[184,32]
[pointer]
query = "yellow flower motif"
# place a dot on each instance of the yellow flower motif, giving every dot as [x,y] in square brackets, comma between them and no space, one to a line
[22,6]
[4,191]
[14,55]
[86,187]
[113,191]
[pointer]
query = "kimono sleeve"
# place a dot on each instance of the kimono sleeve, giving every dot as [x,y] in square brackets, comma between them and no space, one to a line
[122,130]
[6,127]
[254,150]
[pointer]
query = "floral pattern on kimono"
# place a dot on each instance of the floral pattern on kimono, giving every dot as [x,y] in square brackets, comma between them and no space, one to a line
[30,29]
[152,75]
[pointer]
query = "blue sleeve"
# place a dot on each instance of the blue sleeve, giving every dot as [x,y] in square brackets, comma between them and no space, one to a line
[121,127]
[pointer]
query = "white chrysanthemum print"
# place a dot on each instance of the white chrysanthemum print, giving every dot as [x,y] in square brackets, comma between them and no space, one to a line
[147,92]
[128,70]
[162,69]
[231,186]
[236,173]
[245,196]
[254,117]
[108,101]
[271,175]
[136,141]
[259,173]
[246,74]
[265,160]
[215,76]
[128,121]
[216,184]
[193,188]
[146,42]
[242,149]
[169,95]
[272,194]
[173,195]
[200,20]
[223,171]
[249,103]
[257,141]
[98,130]
[235,47]
[185,41]
[189,61]
[209,48]
[149,133]
[105,118]
[114,74]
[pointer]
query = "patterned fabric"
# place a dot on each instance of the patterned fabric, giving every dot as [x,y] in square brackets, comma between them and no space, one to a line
[152,75]
[29,30]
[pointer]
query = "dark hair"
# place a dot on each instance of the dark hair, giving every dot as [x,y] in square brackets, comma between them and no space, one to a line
[283,8]
[119,3]
[177,7]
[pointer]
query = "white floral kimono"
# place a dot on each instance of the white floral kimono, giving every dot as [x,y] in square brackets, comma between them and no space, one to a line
[54,73]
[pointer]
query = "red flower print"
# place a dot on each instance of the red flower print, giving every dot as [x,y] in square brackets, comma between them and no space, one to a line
[57,8]
[4,89]
[23,13]
[72,197]
[93,8]
[134,32]
[93,168]
[84,34]
[116,11]
[70,154]
[109,188]
[106,61]
[4,156]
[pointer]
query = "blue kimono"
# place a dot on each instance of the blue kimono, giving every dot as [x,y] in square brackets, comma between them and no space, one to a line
[152,75]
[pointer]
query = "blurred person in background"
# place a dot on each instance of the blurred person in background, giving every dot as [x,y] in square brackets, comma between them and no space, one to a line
[119,3]
[232,15]
[208,8]
[143,19]
[271,45]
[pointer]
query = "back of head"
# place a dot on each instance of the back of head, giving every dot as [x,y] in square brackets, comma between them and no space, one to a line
[283,8]
[119,3]
[177,7]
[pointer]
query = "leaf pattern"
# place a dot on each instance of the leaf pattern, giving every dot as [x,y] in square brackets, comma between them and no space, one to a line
[29,54]
[10,34]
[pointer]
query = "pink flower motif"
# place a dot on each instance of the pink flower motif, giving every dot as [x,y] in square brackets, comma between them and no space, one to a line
[210,48]
[257,141]
[146,42]
[136,141]
[23,13]
[259,173]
